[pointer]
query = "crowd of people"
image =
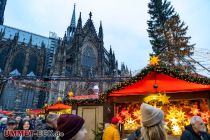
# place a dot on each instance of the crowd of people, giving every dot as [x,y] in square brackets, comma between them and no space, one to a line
[72,127]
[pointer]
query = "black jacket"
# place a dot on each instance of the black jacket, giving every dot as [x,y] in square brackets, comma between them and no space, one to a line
[45,126]
[189,134]
[135,135]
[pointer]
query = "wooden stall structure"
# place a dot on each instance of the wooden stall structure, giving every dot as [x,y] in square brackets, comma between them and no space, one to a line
[183,89]
[89,107]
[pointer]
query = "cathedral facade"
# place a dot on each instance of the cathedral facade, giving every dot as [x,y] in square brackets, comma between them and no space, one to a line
[79,54]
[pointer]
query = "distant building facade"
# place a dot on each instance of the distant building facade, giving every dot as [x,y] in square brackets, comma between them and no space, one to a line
[2,8]
[23,54]
[80,53]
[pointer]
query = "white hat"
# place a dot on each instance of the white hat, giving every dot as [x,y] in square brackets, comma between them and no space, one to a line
[3,120]
[150,115]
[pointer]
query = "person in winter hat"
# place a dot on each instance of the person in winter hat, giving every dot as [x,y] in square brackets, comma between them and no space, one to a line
[196,130]
[3,124]
[111,132]
[72,126]
[152,123]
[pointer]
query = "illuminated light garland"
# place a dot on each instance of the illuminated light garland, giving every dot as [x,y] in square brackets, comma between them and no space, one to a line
[70,101]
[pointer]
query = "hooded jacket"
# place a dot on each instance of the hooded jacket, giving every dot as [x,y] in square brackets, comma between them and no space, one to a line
[189,134]
[111,133]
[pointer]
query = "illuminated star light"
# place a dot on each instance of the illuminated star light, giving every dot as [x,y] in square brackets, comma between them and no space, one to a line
[154,60]
[164,99]
[176,130]
[194,111]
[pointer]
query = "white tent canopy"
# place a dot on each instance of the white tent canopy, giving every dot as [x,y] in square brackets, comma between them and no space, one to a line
[31,74]
[15,72]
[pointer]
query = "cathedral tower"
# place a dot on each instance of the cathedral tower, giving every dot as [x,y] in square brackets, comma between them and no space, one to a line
[72,27]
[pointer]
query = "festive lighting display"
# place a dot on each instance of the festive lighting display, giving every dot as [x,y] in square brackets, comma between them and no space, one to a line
[157,98]
[194,111]
[176,130]
[70,94]
[154,60]
[177,113]
[129,115]
[59,99]
[176,120]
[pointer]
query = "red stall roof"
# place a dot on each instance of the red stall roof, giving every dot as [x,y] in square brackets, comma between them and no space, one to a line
[58,106]
[166,84]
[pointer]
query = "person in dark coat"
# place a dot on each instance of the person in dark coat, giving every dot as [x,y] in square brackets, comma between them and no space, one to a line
[25,125]
[50,124]
[135,135]
[196,130]
[11,125]
[3,125]
[19,121]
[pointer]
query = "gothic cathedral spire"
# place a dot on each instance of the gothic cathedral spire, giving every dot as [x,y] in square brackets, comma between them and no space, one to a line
[100,34]
[71,29]
[79,25]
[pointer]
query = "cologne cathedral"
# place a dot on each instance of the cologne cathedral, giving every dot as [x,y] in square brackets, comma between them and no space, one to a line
[81,52]
[28,61]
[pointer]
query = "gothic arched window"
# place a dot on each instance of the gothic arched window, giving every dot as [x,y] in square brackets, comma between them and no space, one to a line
[88,57]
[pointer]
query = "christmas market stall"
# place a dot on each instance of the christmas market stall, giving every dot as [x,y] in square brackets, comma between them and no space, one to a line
[90,107]
[179,94]
[57,108]
[35,112]
[5,112]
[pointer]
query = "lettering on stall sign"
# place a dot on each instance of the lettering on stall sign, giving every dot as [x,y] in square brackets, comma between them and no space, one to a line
[92,96]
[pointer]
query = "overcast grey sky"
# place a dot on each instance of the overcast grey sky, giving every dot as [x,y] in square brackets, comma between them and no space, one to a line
[124,22]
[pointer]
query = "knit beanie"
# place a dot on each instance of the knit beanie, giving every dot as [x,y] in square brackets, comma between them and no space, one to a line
[114,120]
[150,115]
[69,124]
